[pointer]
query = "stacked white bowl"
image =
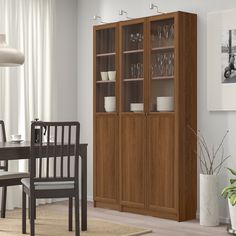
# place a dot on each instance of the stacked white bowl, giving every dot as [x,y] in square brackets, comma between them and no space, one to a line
[165,104]
[136,107]
[110,104]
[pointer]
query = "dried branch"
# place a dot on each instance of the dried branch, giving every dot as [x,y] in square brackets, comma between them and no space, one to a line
[207,158]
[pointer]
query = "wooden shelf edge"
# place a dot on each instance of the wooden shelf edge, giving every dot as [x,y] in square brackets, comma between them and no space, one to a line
[106,54]
[162,77]
[161,113]
[106,113]
[133,51]
[133,79]
[132,113]
[162,48]
[105,81]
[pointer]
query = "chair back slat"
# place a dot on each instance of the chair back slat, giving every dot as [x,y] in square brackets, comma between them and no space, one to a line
[68,157]
[55,156]
[52,159]
[40,151]
[3,164]
[62,149]
[48,143]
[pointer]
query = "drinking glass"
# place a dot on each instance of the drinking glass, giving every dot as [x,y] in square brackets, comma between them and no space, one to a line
[166,33]
[173,63]
[172,32]
[139,38]
[170,64]
[159,34]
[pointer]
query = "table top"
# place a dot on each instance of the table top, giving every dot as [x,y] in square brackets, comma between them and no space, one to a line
[16,151]
[24,144]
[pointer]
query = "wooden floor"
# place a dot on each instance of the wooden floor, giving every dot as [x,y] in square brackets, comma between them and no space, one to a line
[159,227]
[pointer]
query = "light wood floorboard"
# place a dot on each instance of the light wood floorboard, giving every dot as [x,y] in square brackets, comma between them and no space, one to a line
[160,227]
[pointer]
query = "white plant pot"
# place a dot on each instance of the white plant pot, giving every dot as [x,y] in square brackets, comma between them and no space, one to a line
[232,212]
[209,200]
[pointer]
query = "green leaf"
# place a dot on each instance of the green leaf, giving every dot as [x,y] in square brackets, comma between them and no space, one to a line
[232,181]
[232,171]
[233,199]
[227,190]
[231,193]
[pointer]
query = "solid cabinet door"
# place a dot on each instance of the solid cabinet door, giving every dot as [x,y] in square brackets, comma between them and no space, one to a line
[161,174]
[132,170]
[106,158]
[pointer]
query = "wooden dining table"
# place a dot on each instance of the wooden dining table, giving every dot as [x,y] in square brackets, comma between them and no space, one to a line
[18,151]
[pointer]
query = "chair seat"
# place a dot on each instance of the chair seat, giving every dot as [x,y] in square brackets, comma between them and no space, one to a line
[49,185]
[13,175]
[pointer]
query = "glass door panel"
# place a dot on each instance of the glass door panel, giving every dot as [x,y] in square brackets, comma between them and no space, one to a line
[162,33]
[162,64]
[132,68]
[106,66]
[105,41]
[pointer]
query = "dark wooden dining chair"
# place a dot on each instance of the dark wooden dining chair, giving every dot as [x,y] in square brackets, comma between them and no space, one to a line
[54,169]
[7,178]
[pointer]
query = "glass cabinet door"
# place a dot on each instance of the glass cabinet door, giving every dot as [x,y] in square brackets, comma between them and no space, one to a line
[106,68]
[132,73]
[162,57]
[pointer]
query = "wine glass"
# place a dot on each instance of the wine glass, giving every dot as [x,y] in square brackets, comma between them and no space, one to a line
[159,33]
[172,32]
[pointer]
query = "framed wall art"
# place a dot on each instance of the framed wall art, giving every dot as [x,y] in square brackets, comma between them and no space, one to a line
[221,61]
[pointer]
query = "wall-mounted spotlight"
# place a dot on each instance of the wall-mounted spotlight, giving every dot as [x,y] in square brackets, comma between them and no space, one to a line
[98,18]
[152,6]
[122,12]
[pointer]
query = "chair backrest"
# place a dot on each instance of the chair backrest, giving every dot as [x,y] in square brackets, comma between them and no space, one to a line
[3,164]
[54,157]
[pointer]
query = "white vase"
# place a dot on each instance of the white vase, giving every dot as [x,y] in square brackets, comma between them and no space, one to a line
[209,200]
[232,212]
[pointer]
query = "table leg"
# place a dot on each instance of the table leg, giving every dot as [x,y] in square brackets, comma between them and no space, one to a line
[84,189]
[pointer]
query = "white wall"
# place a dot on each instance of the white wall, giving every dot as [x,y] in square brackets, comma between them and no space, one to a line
[212,124]
[64,61]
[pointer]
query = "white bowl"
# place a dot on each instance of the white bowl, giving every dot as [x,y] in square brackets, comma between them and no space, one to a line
[165,104]
[16,137]
[104,75]
[136,107]
[112,75]
[110,104]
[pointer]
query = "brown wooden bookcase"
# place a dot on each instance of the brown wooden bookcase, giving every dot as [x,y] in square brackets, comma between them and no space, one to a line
[144,160]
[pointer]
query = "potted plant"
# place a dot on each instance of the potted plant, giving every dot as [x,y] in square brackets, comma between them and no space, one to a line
[211,163]
[230,193]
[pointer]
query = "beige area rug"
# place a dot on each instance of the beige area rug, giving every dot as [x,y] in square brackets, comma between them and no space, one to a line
[50,223]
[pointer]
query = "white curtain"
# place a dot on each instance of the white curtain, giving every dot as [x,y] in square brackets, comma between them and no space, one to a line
[26,91]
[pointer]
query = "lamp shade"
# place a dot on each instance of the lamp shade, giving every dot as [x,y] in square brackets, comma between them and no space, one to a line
[9,56]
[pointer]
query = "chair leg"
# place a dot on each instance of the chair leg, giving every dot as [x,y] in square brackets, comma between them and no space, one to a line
[77,221]
[23,212]
[28,207]
[29,210]
[4,199]
[70,213]
[32,216]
